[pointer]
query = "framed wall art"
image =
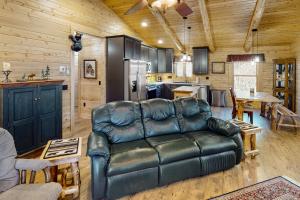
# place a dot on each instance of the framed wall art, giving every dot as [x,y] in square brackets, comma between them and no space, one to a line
[90,69]
[218,68]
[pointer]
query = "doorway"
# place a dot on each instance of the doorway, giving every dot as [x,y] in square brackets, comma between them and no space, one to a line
[87,78]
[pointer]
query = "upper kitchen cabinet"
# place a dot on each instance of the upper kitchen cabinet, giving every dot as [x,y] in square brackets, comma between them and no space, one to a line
[165,60]
[200,60]
[145,53]
[129,47]
[153,59]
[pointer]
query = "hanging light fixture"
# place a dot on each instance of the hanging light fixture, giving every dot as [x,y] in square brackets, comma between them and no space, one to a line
[257,57]
[164,4]
[189,57]
[186,57]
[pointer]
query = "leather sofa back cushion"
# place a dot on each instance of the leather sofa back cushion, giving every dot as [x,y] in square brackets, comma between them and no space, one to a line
[192,114]
[159,117]
[120,121]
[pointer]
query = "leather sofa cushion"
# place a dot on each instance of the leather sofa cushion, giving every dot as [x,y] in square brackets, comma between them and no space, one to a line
[171,149]
[192,114]
[131,156]
[159,117]
[120,121]
[212,143]
[154,141]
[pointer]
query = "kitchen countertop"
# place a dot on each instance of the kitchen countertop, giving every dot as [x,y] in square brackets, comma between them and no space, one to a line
[187,89]
[179,83]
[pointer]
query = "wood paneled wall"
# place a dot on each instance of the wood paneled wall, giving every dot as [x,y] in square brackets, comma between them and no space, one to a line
[225,81]
[91,93]
[34,34]
[296,53]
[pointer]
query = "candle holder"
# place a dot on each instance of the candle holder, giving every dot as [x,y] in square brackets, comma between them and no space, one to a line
[6,74]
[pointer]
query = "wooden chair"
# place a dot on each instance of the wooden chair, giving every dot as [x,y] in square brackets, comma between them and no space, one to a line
[283,114]
[234,109]
[14,172]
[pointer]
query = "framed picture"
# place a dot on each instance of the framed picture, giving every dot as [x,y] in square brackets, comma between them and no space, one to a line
[218,68]
[90,69]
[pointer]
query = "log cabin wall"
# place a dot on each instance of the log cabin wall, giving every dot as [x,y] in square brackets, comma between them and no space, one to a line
[91,93]
[34,34]
[296,53]
[225,81]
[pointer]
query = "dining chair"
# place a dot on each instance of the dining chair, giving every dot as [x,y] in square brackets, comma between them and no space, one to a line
[234,107]
[13,174]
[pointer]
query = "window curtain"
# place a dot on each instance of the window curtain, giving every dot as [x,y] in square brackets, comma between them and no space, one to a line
[245,57]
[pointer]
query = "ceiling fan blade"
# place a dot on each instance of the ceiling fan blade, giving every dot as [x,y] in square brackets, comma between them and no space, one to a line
[138,6]
[183,9]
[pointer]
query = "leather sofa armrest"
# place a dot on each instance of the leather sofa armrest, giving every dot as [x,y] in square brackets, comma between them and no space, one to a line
[98,145]
[222,127]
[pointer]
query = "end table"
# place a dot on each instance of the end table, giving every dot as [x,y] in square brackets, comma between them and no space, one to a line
[248,132]
[65,151]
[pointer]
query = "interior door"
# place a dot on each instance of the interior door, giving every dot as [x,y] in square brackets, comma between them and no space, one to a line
[48,108]
[22,115]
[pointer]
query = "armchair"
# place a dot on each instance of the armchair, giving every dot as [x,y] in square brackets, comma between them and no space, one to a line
[13,174]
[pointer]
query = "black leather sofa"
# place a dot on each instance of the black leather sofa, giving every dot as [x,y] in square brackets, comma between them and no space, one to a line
[137,146]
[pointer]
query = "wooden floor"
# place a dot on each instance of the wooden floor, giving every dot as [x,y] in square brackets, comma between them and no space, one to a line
[279,156]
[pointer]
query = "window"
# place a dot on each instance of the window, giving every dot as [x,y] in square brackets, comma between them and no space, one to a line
[184,69]
[244,76]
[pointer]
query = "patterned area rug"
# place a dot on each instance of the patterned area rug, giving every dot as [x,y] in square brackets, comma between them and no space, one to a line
[278,188]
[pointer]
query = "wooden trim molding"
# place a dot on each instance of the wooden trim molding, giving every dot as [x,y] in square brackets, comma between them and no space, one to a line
[30,83]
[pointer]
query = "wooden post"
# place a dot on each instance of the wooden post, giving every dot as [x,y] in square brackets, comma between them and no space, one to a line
[254,23]
[206,25]
[76,177]
[240,113]
[23,177]
[32,177]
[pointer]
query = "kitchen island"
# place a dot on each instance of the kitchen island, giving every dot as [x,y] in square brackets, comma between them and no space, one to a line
[186,91]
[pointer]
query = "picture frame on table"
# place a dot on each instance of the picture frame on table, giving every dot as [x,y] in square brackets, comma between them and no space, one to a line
[90,69]
[218,68]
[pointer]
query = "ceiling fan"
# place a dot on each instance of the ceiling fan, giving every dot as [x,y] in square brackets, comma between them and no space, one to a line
[180,6]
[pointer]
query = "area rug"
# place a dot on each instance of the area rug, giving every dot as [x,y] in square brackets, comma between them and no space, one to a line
[278,188]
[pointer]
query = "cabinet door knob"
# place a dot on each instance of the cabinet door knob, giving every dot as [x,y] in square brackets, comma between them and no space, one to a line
[35,99]
[39,98]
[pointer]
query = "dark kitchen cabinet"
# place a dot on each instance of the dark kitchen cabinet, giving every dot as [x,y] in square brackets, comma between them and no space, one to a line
[165,60]
[32,114]
[145,53]
[200,60]
[118,49]
[153,59]
[131,46]
[169,60]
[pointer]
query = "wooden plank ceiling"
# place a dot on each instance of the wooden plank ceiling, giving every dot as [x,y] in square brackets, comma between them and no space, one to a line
[229,19]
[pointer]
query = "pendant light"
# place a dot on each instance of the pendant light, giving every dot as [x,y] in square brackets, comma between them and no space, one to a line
[256,57]
[189,58]
[184,56]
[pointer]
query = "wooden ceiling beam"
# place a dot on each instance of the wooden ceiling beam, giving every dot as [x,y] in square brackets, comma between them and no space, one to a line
[254,23]
[166,26]
[206,25]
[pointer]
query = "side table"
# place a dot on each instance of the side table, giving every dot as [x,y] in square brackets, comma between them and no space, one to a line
[61,152]
[248,132]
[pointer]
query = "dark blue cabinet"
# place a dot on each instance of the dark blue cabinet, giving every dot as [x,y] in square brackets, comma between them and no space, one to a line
[32,114]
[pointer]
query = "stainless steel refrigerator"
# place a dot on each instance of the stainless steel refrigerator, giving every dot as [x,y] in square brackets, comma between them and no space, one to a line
[135,80]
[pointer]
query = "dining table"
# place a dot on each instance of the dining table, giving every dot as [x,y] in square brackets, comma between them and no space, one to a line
[244,98]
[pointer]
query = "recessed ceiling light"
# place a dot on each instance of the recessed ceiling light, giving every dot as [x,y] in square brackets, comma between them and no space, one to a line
[144,24]
[160,41]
